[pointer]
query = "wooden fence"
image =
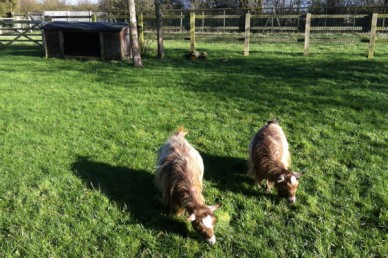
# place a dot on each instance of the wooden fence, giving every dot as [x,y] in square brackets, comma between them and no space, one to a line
[309,24]
[21,30]
[308,28]
[311,27]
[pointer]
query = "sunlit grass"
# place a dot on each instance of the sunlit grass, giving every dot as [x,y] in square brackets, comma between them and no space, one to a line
[78,142]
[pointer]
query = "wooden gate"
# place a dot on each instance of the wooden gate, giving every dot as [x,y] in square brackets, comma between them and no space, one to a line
[12,31]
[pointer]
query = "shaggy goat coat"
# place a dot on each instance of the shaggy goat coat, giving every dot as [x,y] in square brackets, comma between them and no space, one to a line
[269,159]
[179,177]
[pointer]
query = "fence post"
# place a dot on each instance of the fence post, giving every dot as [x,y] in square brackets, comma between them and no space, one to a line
[372,39]
[247,33]
[140,26]
[94,18]
[181,24]
[44,44]
[203,20]
[192,31]
[307,34]
[224,21]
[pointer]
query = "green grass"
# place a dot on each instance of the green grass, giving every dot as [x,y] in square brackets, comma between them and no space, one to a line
[78,143]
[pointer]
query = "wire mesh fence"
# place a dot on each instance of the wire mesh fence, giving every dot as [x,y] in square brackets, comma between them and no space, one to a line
[288,25]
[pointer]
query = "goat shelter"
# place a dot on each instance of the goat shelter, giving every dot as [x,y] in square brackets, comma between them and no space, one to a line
[87,40]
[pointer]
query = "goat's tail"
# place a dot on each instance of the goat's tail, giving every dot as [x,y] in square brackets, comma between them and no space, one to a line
[273,121]
[181,131]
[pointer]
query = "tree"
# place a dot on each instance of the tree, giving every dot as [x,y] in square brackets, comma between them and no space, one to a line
[54,5]
[134,37]
[119,7]
[83,5]
[30,6]
[159,31]
[115,7]
[7,6]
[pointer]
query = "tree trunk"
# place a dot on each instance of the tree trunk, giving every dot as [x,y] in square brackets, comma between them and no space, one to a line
[159,31]
[134,37]
[260,6]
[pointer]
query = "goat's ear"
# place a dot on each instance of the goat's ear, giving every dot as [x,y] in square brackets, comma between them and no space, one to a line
[280,179]
[297,175]
[215,207]
[191,217]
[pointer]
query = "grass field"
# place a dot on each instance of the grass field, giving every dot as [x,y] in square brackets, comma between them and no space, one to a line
[78,143]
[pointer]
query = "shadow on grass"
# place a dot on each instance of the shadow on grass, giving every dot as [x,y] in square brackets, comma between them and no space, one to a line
[328,82]
[22,50]
[230,175]
[282,78]
[132,189]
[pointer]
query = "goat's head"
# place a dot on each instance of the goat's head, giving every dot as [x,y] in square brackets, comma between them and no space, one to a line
[287,184]
[203,221]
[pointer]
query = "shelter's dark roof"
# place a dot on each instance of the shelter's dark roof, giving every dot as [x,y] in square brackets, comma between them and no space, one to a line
[86,26]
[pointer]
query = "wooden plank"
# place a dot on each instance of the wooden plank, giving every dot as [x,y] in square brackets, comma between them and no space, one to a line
[280,16]
[372,39]
[220,28]
[383,15]
[221,16]
[276,40]
[102,51]
[164,16]
[171,28]
[14,34]
[22,29]
[274,28]
[19,40]
[61,42]
[149,17]
[10,41]
[167,16]
[328,40]
[68,17]
[334,28]
[338,16]
[247,33]
[7,21]
[192,31]
[307,35]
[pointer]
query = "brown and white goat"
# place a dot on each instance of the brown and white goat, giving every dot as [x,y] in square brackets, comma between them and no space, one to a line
[179,177]
[269,159]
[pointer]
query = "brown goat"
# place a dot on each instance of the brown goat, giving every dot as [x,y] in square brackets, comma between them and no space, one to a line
[269,159]
[178,177]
